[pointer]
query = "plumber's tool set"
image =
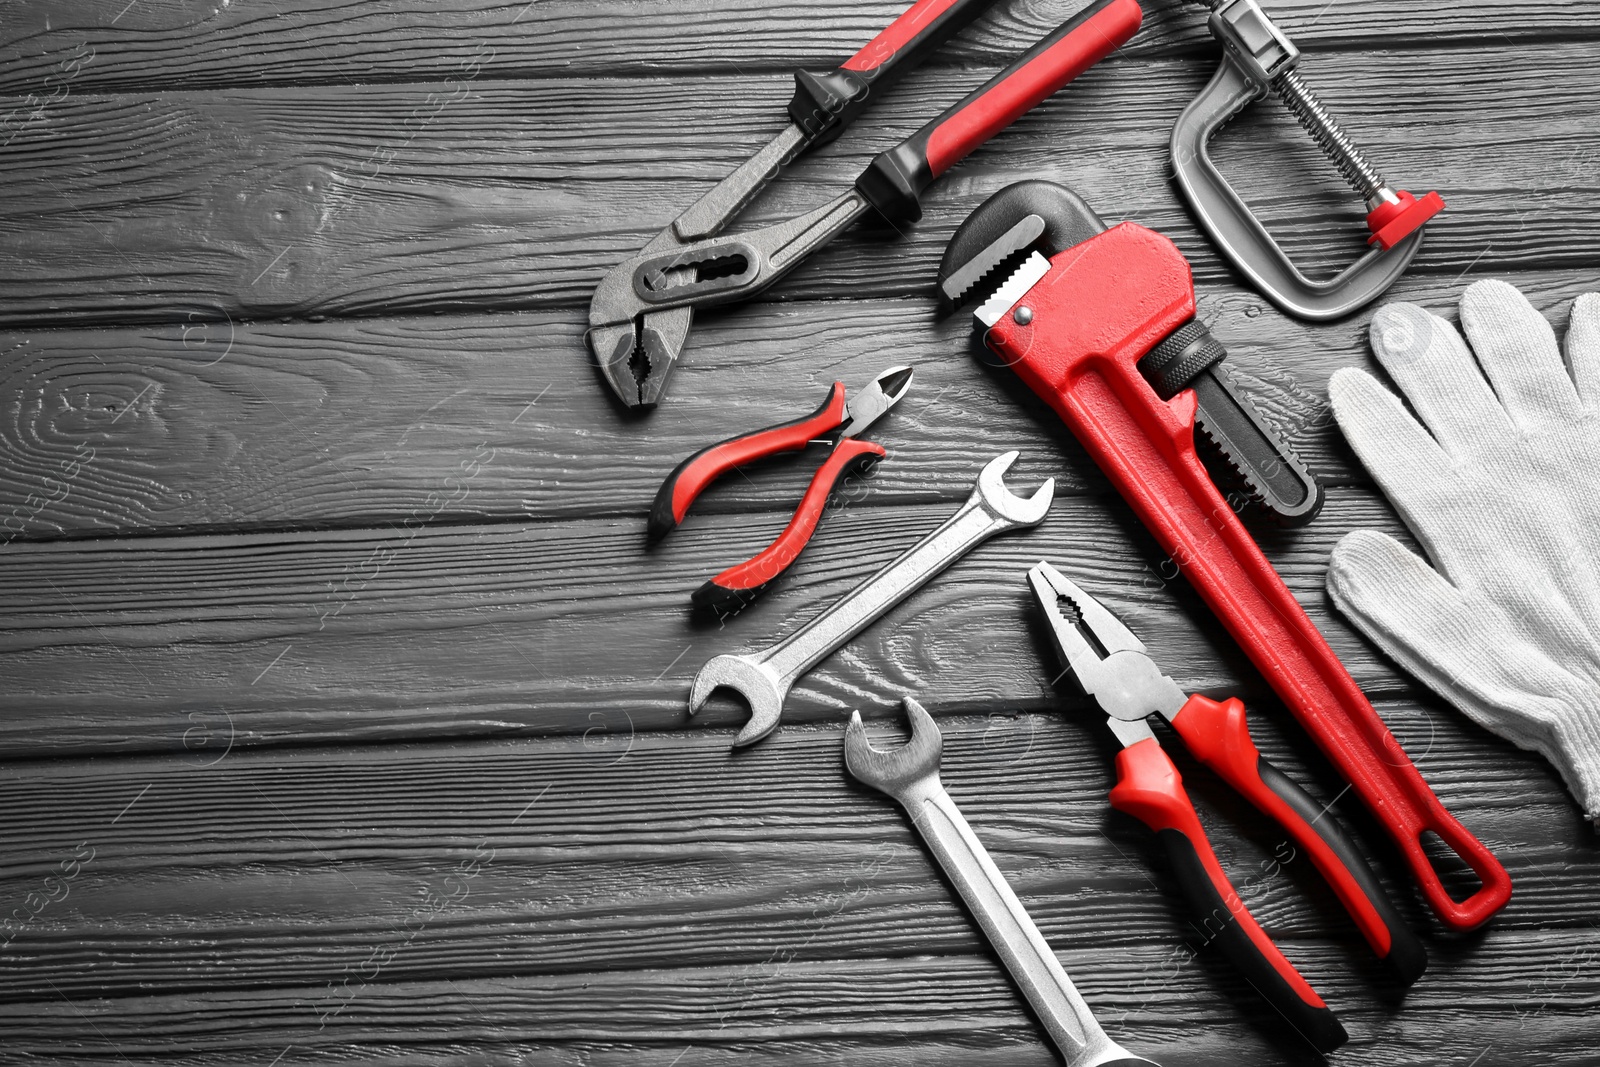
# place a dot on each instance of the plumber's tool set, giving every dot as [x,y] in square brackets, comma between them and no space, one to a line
[1100,322]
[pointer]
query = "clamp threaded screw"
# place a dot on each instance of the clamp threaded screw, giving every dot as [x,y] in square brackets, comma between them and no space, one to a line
[1330,137]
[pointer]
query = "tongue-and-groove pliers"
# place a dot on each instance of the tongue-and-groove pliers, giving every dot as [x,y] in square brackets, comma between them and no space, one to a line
[641,311]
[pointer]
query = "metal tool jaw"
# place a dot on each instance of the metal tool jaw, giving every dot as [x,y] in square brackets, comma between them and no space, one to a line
[1257,59]
[894,771]
[1109,662]
[640,314]
[873,402]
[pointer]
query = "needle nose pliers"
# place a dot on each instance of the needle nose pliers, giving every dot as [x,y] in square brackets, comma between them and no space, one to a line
[738,585]
[1111,665]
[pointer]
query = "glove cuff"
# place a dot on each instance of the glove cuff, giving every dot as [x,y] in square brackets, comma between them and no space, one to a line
[1576,745]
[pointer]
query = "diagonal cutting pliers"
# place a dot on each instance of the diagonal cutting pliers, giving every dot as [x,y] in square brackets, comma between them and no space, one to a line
[740,584]
[640,315]
[1111,665]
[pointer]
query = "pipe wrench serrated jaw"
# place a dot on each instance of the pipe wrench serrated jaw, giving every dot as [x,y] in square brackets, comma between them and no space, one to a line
[1258,59]
[997,238]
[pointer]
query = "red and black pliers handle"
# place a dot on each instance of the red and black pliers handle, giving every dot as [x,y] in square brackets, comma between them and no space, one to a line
[740,584]
[1111,665]
[1150,788]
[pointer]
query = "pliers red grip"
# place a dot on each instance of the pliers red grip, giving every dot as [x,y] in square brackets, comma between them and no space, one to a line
[1112,666]
[740,584]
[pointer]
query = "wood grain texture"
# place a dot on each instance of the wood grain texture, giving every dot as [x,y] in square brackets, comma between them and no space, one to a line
[326,622]
[493,196]
[580,890]
[204,426]
[172,43]
[305,637]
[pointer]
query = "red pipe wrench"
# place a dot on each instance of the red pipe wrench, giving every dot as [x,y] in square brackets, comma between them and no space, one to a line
[1077,327]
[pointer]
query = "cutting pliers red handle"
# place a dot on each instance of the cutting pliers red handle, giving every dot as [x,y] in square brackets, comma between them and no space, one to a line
[740,584]
[692,477]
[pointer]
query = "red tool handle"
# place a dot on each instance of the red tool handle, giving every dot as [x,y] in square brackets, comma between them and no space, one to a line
[690,478]
[824,104]
[1105,303]
[920,28]
[894,182]
[1150,789]
[738,586]
[1219,737]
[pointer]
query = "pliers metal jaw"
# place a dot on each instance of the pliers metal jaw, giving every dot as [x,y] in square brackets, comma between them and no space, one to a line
[1115,669]
[1112,666]
[642,309]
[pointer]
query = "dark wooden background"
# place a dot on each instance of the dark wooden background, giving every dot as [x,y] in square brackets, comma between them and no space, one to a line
[342,707]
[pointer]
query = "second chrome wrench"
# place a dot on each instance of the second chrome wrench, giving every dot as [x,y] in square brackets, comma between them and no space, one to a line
[910,774]
[764,678]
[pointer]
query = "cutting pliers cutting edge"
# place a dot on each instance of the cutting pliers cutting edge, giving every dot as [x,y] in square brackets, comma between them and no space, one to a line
[738,585]
[642,309]
[1111,665]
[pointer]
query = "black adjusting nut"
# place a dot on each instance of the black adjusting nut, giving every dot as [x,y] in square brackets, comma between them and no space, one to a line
[1180,358]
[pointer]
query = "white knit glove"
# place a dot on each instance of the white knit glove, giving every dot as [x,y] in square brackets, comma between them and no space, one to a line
[1504,497]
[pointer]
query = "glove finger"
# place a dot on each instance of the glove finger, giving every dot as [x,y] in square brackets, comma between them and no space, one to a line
[1406,462]
[1583,347]
[1432,366]
[1517,349]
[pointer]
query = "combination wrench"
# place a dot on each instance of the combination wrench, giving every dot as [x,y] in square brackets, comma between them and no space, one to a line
[764,678]
[910,774]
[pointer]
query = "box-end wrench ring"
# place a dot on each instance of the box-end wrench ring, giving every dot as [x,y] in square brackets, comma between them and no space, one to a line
[764,678]
[910,774]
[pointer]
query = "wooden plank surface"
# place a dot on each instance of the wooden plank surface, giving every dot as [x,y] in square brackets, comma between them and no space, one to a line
[202,426]
[485,889]
[493,196]
[171,43]
[303,637]
[332,664]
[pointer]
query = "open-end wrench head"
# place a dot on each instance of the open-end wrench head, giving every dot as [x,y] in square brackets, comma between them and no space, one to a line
[1000,501]
[751,680]
[893,770]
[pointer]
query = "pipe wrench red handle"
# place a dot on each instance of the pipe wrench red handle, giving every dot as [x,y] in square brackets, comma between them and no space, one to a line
[1075,336]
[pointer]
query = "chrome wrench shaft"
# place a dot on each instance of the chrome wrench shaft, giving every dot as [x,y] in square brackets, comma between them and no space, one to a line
[910,774]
